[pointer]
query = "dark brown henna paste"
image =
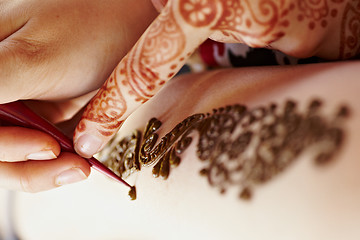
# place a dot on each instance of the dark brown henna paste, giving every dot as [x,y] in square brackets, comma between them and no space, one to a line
[238,146]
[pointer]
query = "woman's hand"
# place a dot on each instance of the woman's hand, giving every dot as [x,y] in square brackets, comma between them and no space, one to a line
[21,168]
[301,28]
[59,52]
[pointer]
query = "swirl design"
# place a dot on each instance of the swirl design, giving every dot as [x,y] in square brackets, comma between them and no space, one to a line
[110,105]
[238,147]
[350,35]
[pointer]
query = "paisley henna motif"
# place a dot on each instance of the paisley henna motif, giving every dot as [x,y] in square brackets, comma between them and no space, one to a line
[110,105]
[238,147]
[350,34]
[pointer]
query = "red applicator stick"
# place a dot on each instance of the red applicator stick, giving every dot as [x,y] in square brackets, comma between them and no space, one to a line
[19,114]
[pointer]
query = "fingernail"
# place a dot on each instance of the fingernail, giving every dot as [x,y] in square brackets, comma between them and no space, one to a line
[71,175]
[42,155]
[87,145]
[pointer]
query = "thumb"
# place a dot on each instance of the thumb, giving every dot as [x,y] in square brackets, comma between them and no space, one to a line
[36,176]
[160,52]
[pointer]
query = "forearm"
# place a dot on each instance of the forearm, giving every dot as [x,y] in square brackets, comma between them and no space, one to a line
[287,206]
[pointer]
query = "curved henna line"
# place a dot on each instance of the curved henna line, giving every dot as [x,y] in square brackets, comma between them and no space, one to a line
[350,32]
[238,146]
[111,99]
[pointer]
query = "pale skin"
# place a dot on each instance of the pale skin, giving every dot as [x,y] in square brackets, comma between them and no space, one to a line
[304,202]
[299,28]
[57,53]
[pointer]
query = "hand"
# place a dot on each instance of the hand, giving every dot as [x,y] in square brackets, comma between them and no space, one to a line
[59,52]
[300,28]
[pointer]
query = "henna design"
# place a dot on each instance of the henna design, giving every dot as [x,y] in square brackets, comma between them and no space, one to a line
[184,24]
[314,9]
[110,106]
[350,33]
[243,21]
[198,13]
[238,146]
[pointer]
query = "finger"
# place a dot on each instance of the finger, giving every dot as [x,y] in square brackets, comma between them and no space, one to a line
[19,144]
[36,176]
[159,4]
[59,111]
[156,57]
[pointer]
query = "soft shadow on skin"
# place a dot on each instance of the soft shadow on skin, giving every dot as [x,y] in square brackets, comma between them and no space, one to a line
[239,146]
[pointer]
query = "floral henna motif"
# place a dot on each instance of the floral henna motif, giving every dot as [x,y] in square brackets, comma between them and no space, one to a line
[198,13]
[238,147]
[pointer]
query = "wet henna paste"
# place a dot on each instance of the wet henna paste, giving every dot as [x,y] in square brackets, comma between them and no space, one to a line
[238,146]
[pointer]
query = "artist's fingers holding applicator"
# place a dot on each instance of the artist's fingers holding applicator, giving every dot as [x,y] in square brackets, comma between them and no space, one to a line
[30,161]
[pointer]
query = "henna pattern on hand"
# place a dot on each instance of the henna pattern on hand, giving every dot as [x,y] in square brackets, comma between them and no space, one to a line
[238,146]
[185,24]
[350,31]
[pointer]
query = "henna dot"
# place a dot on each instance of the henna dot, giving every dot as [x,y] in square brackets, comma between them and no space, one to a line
[122,71]
[284,13]
[245,194]
[173,66]
[151,87]
[248,23]
[285,23]
[170,75]
[300,17]
[124,82]
[311,25]
[292,6]
[188,54]
[162,83]
[323,23]
[333,12]
[181,59]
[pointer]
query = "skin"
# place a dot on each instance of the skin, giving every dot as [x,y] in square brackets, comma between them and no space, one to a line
[299,28]
[303,202]
[57,54]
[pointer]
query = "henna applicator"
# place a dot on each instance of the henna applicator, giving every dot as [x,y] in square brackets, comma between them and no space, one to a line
[19,114]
